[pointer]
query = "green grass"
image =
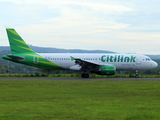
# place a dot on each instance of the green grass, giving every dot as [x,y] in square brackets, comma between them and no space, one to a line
[79,100]
[79,75]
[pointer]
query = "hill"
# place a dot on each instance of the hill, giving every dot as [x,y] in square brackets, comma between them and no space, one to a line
[57,50]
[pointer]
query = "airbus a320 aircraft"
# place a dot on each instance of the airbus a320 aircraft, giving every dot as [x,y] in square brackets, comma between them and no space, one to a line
[102,64]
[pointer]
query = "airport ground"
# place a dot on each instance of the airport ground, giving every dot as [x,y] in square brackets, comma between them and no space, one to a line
[81,79]
[81,99]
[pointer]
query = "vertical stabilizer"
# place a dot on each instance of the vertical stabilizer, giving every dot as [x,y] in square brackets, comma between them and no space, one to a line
[17,44]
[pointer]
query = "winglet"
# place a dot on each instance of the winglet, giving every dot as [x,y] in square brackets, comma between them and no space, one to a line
[72,58]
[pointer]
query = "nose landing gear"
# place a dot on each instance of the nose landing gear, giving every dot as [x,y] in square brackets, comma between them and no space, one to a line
[136,74]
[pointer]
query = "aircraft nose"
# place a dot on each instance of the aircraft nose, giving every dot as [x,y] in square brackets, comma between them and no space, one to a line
[154,64]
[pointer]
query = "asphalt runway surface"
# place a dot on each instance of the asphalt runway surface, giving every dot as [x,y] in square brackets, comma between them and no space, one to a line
[82,79]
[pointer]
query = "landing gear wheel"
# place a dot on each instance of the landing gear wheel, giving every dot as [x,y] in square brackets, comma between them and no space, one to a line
[85,75]
[136,76]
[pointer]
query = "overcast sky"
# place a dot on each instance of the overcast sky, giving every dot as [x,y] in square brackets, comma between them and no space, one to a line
[123,26]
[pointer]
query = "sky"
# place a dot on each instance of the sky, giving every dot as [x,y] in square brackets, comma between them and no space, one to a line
[122,26]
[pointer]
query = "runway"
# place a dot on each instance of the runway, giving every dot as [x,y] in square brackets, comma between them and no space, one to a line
[80,79]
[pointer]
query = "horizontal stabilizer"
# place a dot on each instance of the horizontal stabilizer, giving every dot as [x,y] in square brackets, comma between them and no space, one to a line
[16,57]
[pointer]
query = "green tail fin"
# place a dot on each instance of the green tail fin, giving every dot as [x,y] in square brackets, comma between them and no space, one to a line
[22,53]
[17,44]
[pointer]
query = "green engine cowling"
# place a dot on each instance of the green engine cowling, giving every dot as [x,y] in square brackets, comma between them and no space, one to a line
[107,70]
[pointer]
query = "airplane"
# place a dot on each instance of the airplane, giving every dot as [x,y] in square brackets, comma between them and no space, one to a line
[99,63]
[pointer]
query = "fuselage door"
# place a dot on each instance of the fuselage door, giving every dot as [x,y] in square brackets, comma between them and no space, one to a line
[138,60]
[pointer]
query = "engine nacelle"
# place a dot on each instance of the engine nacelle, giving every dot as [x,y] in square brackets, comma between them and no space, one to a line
[106,70]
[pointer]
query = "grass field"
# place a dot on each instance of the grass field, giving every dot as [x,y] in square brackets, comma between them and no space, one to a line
[79,100]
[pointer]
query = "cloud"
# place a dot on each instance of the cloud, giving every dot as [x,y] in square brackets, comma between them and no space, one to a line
[99,24]
[94,5]
[87,17]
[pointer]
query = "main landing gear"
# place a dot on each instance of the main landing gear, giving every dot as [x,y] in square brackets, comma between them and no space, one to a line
[85,75]
[136,76]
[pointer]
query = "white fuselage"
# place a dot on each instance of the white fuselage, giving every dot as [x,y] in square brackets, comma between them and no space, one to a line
[120,61]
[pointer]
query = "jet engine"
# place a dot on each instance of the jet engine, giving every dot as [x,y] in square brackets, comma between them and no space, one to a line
[106,70]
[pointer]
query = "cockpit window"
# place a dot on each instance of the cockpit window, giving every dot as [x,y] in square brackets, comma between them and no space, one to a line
[148,59]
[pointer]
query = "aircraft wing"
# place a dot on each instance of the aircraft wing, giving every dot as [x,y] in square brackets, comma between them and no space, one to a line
[87,63]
